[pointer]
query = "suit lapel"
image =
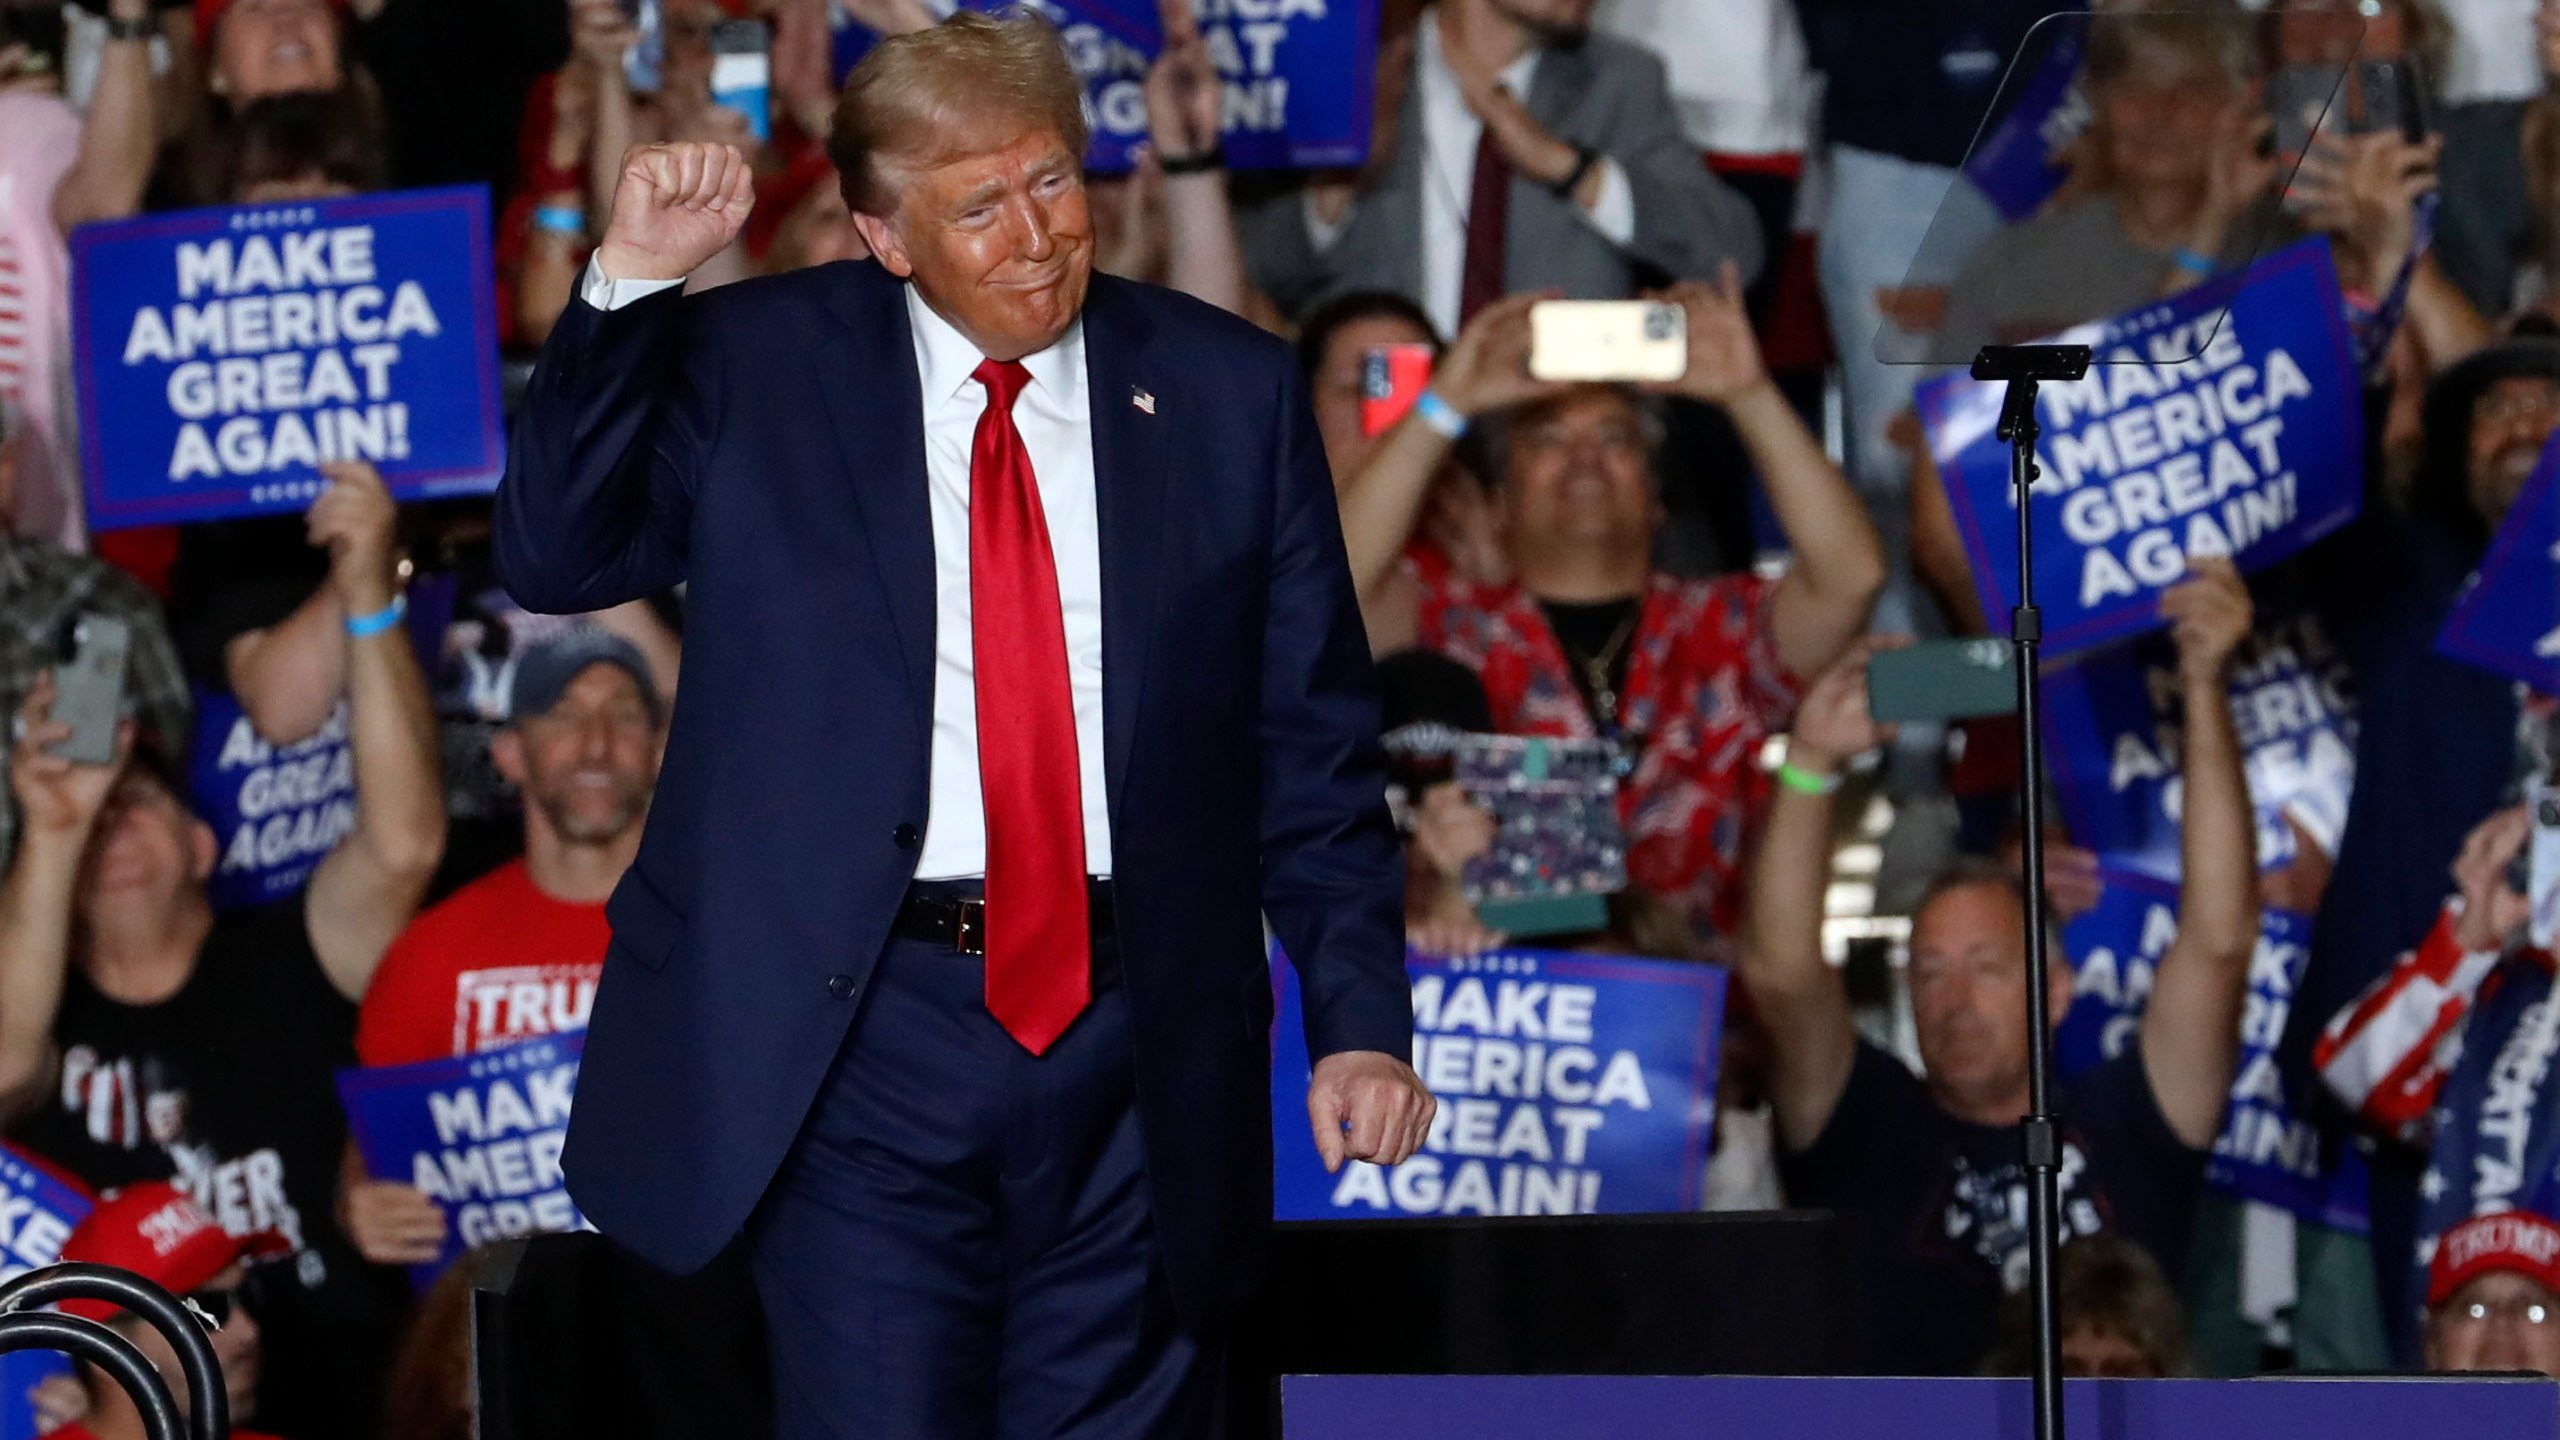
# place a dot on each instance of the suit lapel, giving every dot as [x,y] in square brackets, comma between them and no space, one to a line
[1537,223]
[1557,86]
[1409,180]
[1132,424]
[874,403]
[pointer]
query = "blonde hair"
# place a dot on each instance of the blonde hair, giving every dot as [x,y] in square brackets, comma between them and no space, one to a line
[924,98]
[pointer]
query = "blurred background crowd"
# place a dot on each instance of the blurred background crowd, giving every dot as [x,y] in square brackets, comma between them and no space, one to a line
[1694,573]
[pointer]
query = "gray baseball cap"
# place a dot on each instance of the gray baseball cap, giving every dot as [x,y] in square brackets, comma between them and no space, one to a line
[544,671]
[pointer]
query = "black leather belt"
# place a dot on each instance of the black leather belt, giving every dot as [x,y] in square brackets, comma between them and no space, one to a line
[953,913]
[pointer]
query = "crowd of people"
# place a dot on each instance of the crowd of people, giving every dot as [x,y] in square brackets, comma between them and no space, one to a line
[1695,573]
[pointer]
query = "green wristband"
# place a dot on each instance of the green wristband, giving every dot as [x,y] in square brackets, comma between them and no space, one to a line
[1804,782]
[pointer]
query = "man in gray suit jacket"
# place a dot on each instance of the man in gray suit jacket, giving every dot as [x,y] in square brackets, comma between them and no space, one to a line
[1602,193]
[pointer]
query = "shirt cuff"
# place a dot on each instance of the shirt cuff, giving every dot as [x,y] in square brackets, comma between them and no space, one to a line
[1613,213]
[606,293]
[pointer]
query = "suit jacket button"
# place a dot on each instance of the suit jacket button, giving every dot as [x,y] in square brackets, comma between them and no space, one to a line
[906,836]
[841,986]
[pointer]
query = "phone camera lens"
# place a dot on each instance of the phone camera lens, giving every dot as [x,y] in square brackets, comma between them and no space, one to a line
[1658,323]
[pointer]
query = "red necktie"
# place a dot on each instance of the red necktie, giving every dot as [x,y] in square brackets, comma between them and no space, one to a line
[1488,215]
[1039,939]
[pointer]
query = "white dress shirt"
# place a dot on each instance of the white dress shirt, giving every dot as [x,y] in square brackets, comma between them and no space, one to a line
[2493,54]
[1740,79]
[1449,134]
[1055,417]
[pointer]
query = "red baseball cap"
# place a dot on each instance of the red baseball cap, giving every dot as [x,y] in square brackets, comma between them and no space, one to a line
[155,1231]
[2514,1240]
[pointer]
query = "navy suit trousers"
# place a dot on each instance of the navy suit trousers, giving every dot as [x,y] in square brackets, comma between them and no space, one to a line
[959,1245]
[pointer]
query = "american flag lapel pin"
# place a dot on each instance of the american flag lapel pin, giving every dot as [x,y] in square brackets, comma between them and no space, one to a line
[1145,400]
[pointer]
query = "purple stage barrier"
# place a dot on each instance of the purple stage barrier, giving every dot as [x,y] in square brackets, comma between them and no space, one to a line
[1580,1407]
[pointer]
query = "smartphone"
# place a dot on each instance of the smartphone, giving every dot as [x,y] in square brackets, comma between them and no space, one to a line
[742,72]
[2298,98]
[1943,680]
[644,64]
[1391,379]
[2535,872]
[88,686]
[2374,95]
[1607,340]
[2393,96]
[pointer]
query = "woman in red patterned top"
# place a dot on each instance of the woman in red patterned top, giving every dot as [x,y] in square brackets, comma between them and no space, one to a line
[1587,639]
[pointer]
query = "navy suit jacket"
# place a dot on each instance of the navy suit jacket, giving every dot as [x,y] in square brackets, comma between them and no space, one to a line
[764,443]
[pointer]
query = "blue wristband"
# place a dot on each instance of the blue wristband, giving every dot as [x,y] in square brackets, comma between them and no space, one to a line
[361,626]
[560,220]
[2200,266]
[1439,414]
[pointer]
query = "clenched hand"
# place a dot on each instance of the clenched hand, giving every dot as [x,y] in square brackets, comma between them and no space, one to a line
[677,206]
[1367,1105]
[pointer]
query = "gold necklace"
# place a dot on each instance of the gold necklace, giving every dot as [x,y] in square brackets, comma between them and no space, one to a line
[1595,667]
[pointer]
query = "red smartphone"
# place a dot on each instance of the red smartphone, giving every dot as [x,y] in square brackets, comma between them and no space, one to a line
[1391,379]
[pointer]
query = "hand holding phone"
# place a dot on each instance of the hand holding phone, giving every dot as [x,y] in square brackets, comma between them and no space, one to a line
[1722,361]
[1837,718]
[644,64]
[58,797]
[1607,341]
[742,72]
[2535,873]
[1392,377]
[89,687]
[1487,367]
[1943,680]
[2494,876]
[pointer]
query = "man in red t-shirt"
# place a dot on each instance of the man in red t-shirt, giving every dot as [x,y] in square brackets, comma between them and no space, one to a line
[155,1231]
[517,953]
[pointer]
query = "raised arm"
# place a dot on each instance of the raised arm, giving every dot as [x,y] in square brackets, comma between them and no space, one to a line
[2191,1028]
[1185,103]
[58,805]
[1824,601]
[1801,999]
[117,140]
[2441,317]
[1687,223]
[1937,547]
[598,496]
[600,33]
[371,883]
[1645,191]
[1484,370]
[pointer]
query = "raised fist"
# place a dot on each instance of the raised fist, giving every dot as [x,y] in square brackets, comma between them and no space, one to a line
[677,206]
[2209,615]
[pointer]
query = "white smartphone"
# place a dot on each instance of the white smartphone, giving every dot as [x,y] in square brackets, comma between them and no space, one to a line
[1607,340]
[88,687]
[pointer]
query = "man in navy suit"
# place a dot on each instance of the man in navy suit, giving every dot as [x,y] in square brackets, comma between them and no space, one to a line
[1022,675]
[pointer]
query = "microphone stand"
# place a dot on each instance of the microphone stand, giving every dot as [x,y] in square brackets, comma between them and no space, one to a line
[2021,367]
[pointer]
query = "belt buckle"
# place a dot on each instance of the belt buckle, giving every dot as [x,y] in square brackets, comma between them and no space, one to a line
[971,935]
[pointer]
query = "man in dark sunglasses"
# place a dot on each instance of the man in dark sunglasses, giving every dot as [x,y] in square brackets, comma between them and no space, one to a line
[155,1231]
